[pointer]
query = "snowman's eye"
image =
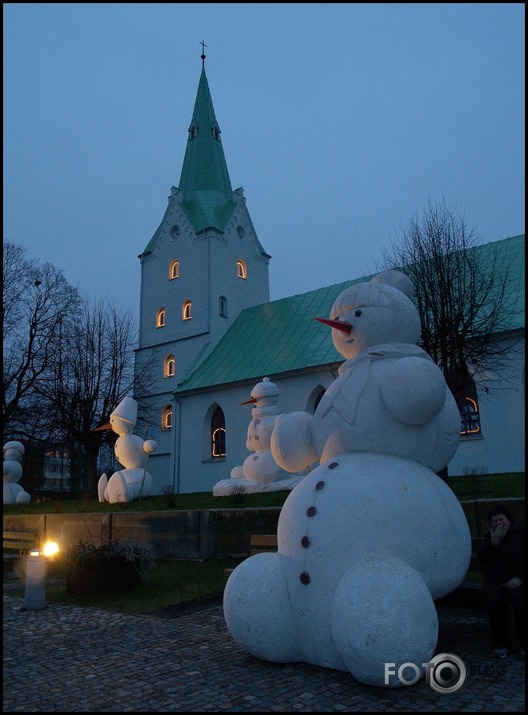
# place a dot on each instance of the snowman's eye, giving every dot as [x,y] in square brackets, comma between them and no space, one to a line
[357,313]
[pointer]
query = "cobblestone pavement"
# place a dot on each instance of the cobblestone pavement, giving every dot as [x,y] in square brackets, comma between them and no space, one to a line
[81,659]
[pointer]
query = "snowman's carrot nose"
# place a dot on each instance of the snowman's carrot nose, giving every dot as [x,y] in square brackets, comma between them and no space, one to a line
[342,325]
[109,426]
[251,401]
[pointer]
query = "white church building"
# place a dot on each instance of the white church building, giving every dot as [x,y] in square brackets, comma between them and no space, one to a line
[208,334]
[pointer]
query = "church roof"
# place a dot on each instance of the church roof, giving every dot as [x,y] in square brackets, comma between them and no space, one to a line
[282,336]
[205,188]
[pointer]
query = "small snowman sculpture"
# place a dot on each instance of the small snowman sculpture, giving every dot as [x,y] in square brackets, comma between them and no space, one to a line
[372,536]
[132,452]
[260,472]
[14,493]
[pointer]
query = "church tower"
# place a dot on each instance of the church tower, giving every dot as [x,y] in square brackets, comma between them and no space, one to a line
[203,265]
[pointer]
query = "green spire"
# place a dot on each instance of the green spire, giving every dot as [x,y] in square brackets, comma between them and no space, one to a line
[207,196]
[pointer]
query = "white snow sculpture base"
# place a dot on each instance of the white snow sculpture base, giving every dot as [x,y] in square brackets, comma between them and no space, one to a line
[366,542]
[225,487]
[125,486]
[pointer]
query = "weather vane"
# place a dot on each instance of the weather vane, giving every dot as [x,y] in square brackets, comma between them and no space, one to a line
[202,43]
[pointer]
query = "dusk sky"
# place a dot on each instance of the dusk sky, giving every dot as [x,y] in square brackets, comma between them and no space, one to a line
[340,120]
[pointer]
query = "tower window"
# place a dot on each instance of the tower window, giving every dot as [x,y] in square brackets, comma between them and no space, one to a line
[187,310]
[166,418]
[160,318]
[222,306]
[241,269]
[170,366]
[218,445]
[174,270]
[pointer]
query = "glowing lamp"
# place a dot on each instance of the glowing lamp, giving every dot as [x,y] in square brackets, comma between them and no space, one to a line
[51,548]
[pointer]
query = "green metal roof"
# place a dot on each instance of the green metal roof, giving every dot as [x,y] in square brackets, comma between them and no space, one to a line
[206,193]
[282,336]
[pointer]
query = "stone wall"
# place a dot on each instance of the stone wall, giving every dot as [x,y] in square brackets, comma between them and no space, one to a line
[198,534]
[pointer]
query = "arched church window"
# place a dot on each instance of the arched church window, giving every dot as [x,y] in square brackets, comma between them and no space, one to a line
[170,366]
[160,318]
[241,269]
[166,418]
[222,306]
[218,441]
[187,310]
[174,270]
[469,413]
[318,399]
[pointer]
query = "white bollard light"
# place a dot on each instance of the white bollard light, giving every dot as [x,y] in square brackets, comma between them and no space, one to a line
[35,596]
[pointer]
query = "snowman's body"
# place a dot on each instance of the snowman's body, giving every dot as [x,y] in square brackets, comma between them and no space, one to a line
[132,482]
[260,471]
[14,493]
[372,535]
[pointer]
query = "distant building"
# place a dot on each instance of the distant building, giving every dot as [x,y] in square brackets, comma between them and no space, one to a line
[56,471]
[208,333]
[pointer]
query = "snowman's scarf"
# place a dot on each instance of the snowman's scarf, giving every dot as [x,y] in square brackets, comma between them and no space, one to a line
[354,376]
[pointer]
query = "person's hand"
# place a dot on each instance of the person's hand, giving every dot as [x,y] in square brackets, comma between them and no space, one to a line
[514,583]
[498,533]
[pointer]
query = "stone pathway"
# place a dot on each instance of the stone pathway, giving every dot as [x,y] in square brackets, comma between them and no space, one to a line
[81,659]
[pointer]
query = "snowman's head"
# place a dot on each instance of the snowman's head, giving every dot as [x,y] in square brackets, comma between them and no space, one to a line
[264,394]
[13,451]
[374,313]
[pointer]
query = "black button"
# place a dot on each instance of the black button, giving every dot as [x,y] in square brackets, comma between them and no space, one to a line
[305,578]
[333,465]
[311,511]
[319,485]
[305,541]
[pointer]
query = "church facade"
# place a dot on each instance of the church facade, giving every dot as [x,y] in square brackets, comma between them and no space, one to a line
[208,333]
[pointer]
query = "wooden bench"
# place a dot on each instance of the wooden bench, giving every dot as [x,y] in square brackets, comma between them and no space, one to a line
[263,542]
[259,543]
[18,543]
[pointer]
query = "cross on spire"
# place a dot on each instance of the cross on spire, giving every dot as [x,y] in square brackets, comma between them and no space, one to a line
[202,43]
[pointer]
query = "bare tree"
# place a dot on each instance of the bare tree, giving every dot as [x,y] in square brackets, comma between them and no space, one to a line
[463,294]
[37,299]
[67,363]
[88,378]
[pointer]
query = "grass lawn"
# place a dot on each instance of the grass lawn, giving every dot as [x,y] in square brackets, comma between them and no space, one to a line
[485,486]
[168,584]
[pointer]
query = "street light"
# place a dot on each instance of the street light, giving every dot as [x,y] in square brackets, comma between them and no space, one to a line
[35,594]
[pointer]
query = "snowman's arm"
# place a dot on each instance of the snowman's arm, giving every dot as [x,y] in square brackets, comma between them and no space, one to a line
[292,441]
[413,390]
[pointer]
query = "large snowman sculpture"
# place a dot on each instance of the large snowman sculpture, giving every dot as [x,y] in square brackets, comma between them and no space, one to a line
[14,493]
[260,472]
[132,482]
[371,536]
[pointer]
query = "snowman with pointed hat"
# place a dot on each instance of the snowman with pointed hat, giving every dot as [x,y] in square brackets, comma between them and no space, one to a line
[372,536]
[132,482]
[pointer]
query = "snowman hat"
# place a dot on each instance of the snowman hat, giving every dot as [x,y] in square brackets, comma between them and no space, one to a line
[385,290]
[263,389]
[396,279]
[126,410]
